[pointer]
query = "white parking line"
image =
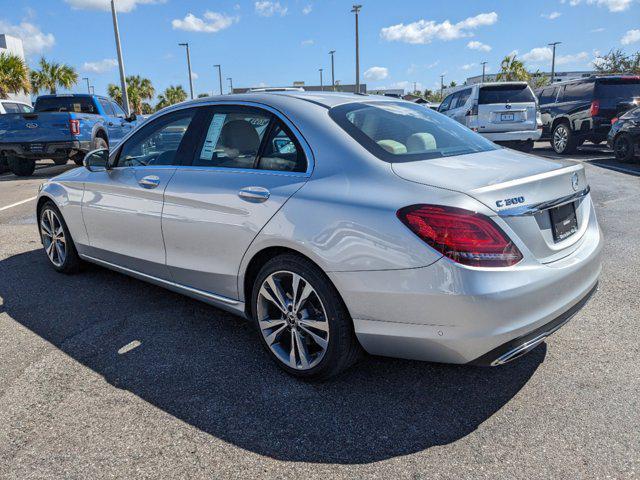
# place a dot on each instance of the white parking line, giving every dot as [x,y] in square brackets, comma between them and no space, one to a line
[17,203]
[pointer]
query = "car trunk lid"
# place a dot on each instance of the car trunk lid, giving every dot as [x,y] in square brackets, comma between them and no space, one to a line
[523,191]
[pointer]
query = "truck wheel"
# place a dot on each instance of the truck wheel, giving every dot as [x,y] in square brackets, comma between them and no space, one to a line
[562,139]
[60,161]
[3,164]
[78,158]
[99,143]
[525,146]
[21,167]
[623,148]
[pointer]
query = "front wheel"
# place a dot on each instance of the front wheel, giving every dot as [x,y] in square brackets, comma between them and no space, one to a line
[623,148]
[302,320]
[563,140]
[56,240]
[21,167]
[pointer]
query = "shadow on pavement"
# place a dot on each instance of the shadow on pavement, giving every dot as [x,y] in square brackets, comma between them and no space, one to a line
[207,368]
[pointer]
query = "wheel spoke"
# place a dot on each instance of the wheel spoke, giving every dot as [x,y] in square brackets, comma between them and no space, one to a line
[59,231]
[45,228]
[266,294]
[316,338]
[60,251]
[292,353]
[49,250]
[273,336]
[277,291]
[308,290]
[317,324]
[295,284]
[271,323]
[302,350]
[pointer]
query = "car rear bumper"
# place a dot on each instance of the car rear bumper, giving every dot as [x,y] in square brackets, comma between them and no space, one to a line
[454,314]
[515,136]
[38,150]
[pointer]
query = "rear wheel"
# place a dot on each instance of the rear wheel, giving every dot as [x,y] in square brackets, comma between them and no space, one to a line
[99,143]
[78,158]
[302,321]
[562,139]
[525,146]
[623,148]
[21,167]
[60,161]
[56,240]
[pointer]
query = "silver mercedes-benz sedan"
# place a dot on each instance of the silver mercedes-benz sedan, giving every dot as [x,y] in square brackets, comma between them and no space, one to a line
[337,223]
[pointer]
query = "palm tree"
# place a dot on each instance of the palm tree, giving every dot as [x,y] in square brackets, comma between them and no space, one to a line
[14,75]
[512,69]
[138,90]
[53,75]
[171,96]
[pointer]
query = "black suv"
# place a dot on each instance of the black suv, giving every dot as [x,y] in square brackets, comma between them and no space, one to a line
[581,110]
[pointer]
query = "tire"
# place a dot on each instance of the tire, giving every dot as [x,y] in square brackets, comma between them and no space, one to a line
[59,248]
[563,140]
[623,148]
[336,347]
[78,158]
[60,161]
[21,167]
[525,146]
[4,167]
[98,144]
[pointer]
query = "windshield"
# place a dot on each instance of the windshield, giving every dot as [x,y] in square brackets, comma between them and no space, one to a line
[619,89]
[65,104]
[405,132]
[505,94]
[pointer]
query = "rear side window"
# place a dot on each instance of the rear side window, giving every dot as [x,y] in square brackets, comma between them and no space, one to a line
[618,88]
[65,104]
[575,92]
[405,132]
[505,94]
[281,152]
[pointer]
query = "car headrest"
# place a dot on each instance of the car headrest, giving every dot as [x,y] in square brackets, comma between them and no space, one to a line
[239,135]
[392,146]
[421,142]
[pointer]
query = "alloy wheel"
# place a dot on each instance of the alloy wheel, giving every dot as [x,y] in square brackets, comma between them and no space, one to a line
[560,138]
[53,238]
[292,320]
[622,147]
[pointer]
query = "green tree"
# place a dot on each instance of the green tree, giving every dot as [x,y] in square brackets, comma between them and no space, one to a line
[171,96]
[53,75]
[512,69]
[203,95]
[538,79]
[14,75]
[616,61]
[453,84]
[139,89]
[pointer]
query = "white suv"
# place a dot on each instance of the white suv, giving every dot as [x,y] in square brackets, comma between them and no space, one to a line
[503,112]
[12,106]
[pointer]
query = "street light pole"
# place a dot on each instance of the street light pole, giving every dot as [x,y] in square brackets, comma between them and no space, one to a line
[356,10]
[484,64]
[333,77]
[442,87]
[321,83]
[123,78]
[553,60]
[189,67]
[230,84]
[88,84]
[219,77]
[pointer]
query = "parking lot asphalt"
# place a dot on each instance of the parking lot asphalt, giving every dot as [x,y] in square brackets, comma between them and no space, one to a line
[104,376]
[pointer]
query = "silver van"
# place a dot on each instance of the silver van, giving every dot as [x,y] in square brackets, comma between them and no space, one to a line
[503,112]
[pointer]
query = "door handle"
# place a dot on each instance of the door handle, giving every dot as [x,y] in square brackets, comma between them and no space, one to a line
[150,181]
[254,194]
[110,124]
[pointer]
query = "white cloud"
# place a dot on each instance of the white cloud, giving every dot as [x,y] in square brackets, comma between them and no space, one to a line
[307,43]
[632,36]
[475,45]
[269,9]
[544,55]
[468,66]
[122,6]
[101,66]
[194,75]
[33,39]
[597,30]
[213,22]
[551,16]
[307,10]
[376,73]
[424,31]
[434,64]
[612,5]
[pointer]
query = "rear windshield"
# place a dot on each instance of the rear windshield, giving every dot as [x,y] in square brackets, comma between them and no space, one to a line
[505,94]
[619,88]
[65,104]
[406,132]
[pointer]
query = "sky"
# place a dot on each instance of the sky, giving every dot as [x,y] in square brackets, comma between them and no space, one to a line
[273,43]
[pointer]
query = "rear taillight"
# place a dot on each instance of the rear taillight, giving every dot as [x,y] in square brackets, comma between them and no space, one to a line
[595,108]
[466,237]
[74,127]
[614,120]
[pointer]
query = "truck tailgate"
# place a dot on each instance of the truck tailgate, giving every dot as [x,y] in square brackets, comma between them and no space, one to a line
[37,127]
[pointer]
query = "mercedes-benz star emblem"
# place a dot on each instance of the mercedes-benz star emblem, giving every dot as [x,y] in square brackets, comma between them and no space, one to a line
[574,181]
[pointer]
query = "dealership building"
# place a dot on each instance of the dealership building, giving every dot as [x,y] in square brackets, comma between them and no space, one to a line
[14,46]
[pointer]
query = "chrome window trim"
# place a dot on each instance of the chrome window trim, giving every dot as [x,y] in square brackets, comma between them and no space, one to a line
[542,206]
[308,153]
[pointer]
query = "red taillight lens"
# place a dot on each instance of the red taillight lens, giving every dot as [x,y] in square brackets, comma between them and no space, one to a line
[466,237]
[614,120]
[595,107]
[74,127]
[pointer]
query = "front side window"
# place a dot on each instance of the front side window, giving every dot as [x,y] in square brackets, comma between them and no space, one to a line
[508,93]
[106,106]
[444,106]
[11,107]
[158,142]
[404,132]
[118,110]
[464,96]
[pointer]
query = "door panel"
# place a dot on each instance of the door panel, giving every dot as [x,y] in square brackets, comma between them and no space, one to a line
[122,213]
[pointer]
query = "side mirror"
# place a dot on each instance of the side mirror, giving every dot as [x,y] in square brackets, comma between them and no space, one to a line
[131,118]
[97,160]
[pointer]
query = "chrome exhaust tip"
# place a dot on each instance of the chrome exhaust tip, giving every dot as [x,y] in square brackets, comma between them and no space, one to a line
[519,351]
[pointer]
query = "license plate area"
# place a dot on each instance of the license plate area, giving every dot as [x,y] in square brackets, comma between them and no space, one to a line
[564,221]
[36,147]
[506,117]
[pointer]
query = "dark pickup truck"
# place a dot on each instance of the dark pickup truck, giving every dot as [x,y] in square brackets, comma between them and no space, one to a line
[60,128]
